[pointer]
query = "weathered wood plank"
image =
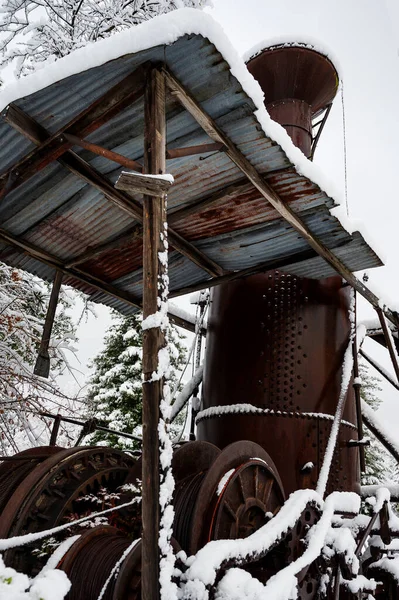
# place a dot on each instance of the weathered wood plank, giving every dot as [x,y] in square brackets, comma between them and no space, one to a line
[215,133]
[153,338]
[135,183]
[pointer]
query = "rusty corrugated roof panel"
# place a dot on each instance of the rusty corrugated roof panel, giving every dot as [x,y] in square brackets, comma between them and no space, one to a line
[60,213]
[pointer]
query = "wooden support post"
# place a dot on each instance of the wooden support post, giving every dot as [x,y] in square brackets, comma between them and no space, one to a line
[42,366]
[153,339]
[388,340]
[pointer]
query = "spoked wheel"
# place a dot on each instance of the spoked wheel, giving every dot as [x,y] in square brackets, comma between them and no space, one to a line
[239,493]
[49,495]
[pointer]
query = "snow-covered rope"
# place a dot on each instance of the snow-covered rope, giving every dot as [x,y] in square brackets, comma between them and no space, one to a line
[245,408]
[204,566]
[347,368]
[22,540]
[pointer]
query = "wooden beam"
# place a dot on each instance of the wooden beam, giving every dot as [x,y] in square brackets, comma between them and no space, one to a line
[79,167]
[100,151]
[192,150]
[388,341]
[136,183]
[215,133]
[42,365]
[119,97]
[153,337]
[52,261]
[81,275]
[380,435]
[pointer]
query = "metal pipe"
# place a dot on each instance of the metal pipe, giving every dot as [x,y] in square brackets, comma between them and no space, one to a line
[81,423]
[186,392]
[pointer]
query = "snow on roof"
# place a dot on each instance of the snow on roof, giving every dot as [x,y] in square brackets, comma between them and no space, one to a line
[166,29]
[57,90]
[303,42]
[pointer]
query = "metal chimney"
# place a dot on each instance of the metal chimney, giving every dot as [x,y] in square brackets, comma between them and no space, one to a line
[298,84]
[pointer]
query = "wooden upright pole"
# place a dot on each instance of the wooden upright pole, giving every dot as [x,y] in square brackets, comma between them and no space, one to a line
[42,365]
[153,338]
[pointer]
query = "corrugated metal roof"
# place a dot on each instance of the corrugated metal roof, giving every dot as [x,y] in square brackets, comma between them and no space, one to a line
[61,214]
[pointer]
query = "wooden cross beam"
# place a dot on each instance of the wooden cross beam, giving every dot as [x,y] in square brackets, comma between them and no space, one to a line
[81,275]
[119,97]
[26,125]
[215,133]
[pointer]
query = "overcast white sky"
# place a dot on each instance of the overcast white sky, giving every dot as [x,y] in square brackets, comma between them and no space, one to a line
[364,37]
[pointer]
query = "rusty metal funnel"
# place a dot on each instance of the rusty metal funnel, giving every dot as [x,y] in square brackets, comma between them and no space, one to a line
[299,84]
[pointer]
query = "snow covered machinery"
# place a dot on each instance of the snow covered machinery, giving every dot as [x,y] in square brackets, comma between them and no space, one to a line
[279,427]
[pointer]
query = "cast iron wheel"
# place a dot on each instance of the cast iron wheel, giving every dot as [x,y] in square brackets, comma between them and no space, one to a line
[48,496]
[251,493]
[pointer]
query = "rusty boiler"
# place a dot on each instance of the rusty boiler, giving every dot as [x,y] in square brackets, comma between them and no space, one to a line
[275,341]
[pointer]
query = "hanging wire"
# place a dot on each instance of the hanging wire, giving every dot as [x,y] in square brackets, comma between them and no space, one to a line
[345,153]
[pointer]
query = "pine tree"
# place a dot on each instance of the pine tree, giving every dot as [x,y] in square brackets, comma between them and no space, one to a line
[38,30]
[115,392]
[23,306]
[377,459]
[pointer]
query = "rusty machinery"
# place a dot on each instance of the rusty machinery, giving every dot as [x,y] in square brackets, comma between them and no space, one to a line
[274,359]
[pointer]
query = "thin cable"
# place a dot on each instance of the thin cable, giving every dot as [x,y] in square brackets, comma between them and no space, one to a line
[345,153]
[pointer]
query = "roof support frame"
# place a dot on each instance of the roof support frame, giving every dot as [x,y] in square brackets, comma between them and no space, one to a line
[82,169]
[81,275]
[119,97]
[215,133]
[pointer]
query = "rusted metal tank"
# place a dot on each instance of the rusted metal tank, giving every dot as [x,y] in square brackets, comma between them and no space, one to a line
[276,342]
